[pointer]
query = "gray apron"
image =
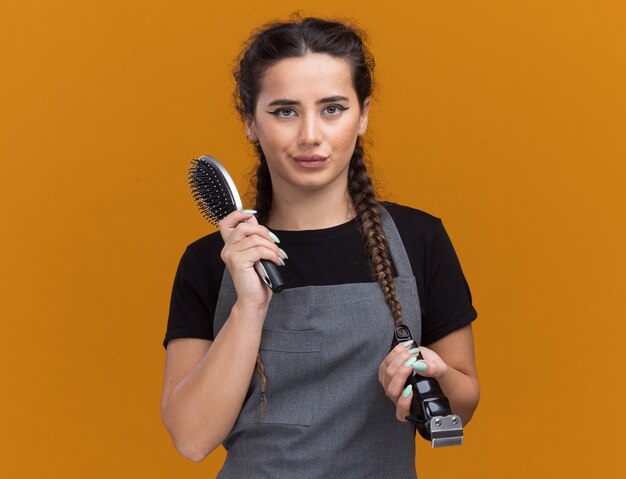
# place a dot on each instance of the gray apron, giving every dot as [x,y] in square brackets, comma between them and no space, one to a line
[327,414]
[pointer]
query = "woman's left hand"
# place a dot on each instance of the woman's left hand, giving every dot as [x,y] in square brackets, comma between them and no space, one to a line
[398,365]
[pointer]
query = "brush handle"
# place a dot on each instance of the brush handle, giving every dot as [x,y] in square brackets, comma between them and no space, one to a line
[268,272]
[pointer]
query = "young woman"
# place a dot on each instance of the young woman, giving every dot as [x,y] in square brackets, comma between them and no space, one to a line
[304,381]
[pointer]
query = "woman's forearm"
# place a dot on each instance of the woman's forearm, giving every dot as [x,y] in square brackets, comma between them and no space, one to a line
[462,391]
[203,407]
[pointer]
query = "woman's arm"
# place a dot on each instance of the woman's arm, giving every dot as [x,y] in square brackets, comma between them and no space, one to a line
[206,382]
[454,367]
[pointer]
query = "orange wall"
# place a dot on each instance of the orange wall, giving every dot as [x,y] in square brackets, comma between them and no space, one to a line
[506,119]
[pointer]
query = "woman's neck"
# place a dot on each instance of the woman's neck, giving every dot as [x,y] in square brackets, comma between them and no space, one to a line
[310,210]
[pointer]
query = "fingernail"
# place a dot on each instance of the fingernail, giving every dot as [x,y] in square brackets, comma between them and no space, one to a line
[419,366]
[274,237]
[407,391]
[410,362]
[283,253]
[281,261]
[249,212]
[414,351]
[407,344]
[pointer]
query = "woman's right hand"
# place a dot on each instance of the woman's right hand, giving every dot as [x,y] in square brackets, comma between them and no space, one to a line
[244,245]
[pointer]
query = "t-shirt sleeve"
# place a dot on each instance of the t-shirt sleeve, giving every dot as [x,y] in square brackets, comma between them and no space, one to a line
[190,312]
[448,302]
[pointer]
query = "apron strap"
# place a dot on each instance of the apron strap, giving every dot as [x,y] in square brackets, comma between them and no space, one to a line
[396,247]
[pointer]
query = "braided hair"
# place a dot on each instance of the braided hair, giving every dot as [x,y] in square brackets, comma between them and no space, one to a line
[267,46]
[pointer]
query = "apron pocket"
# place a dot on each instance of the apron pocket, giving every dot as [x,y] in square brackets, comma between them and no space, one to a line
[292,367]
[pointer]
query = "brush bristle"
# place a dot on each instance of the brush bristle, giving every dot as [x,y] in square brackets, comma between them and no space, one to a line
[210,191]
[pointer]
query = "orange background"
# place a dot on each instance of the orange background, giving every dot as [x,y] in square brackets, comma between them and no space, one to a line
[506,119]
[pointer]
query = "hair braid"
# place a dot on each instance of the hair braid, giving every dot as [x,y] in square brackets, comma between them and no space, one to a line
[263,205]
[264,192]
[369,218]
[260,369]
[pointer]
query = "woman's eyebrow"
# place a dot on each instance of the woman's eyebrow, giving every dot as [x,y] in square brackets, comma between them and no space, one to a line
[288,102]
[332,99]
[283,102]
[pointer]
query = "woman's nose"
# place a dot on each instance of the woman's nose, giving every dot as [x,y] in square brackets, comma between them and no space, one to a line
[310,131]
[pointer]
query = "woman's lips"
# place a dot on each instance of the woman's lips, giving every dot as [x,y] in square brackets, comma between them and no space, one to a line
[310,161]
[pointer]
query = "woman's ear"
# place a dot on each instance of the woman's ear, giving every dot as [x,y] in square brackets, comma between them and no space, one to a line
[364,116]
[251,129]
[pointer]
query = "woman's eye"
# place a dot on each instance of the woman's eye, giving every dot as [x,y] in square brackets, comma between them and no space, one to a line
[284,112]
[334,110]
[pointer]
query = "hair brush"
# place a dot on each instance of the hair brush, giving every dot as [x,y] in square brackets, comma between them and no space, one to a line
[216,196]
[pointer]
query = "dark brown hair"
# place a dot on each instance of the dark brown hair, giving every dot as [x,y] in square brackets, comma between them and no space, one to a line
[280,40]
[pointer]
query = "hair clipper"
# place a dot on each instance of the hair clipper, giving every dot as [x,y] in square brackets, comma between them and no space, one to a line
[430,408]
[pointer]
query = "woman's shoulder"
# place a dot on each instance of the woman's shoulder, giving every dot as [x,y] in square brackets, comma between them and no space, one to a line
[412,222]
[210,244]
[202,256]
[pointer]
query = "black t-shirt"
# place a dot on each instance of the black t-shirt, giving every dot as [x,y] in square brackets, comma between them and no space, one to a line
[333,255]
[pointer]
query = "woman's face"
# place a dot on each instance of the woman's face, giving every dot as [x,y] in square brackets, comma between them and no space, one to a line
[307,121]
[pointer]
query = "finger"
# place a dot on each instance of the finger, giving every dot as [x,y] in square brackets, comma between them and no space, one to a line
[251,256]
[428,354]
[250,241]
[398,349]
[242,230]
[397,357]
[227,224]
[403,406]
[399,361]
[234,218]
[250,250]
[404,345]
[261,251]
[252,220]
[397,382]
[430,369]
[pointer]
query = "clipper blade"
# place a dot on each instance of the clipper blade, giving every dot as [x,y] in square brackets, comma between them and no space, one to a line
[446,431]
